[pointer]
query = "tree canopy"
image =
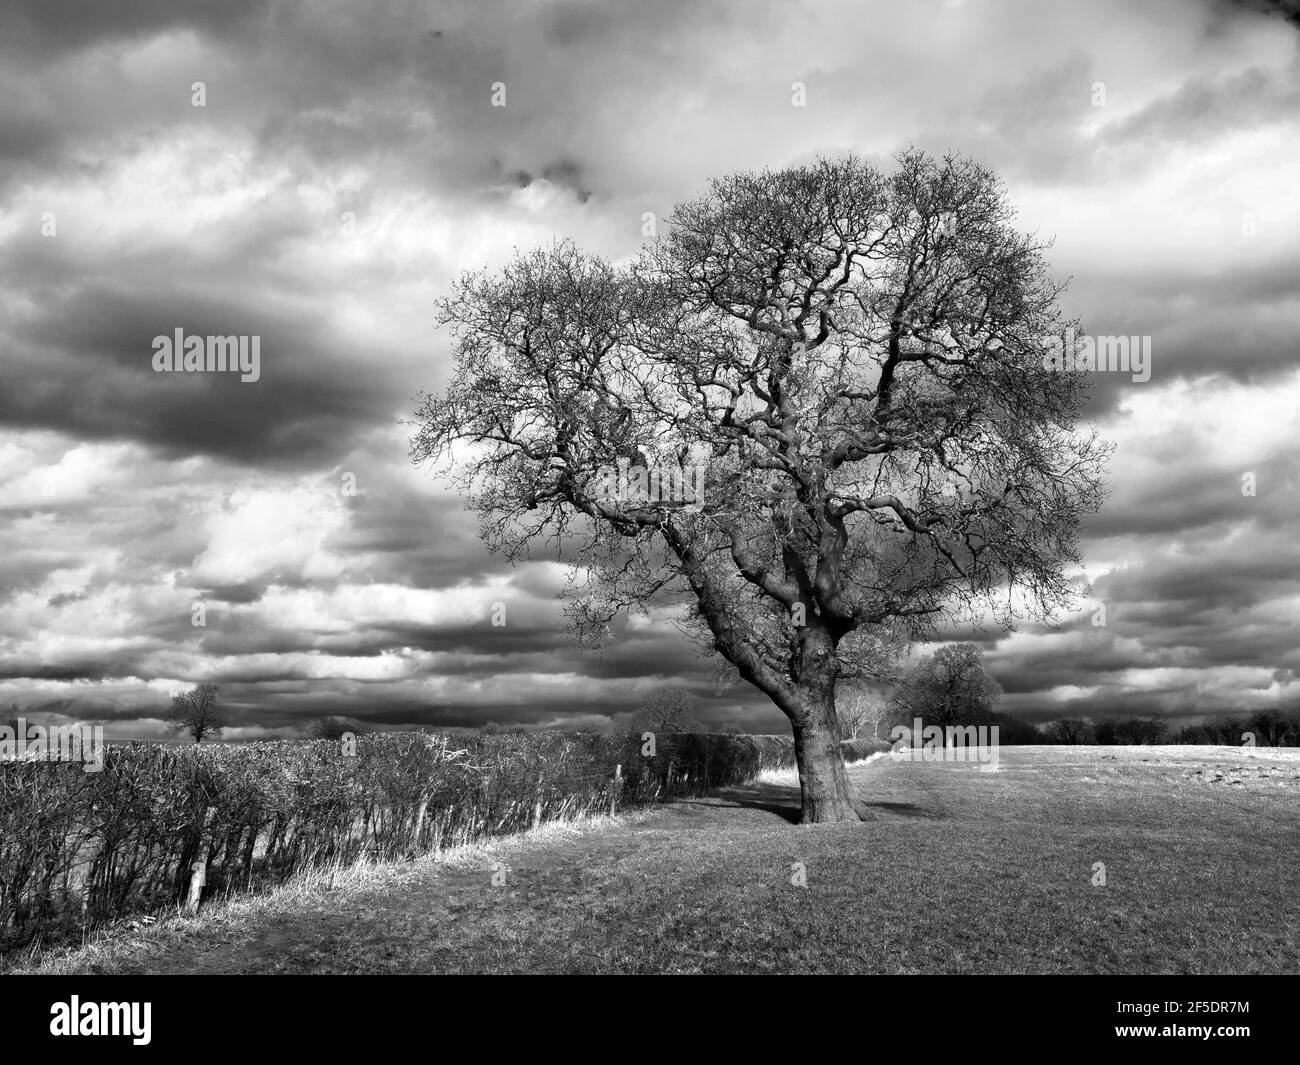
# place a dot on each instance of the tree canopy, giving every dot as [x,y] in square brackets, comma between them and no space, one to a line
[816,412]
[198,712]
[949,687]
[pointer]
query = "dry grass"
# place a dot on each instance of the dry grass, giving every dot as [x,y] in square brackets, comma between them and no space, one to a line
[334,885]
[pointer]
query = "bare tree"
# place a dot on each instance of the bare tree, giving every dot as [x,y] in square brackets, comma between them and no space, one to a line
[1069,730]
[854,367]
[949,687]
[1270,726]
[861,711]
[198,712]
[1225,729]
[667,711]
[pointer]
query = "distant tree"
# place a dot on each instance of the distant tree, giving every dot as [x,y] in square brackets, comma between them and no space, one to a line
[1069,730]
[949,687]
[1269,726]
[334,728]
[1106,731]
[1224,729]
[198,712]
[666,712]
[861,711]
[1016,731]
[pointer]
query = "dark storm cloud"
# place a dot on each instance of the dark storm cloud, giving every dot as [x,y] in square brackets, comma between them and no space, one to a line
[67,597]
[25,136]
[1191,503]
[1283,9]
[410,538]
[84,365]
[1203,108]
[1200,581]
[226,220]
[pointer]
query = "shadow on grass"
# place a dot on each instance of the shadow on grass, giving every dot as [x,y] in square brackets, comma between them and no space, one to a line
[783,801]
[774,799]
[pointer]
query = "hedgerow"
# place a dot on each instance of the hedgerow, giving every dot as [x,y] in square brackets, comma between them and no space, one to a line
[78,849]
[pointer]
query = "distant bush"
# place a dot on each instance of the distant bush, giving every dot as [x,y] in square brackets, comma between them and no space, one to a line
[856,750]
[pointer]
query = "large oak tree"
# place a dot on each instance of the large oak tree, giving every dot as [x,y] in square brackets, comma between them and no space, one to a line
[853,361]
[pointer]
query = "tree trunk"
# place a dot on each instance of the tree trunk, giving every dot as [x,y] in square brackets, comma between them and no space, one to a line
[823,780]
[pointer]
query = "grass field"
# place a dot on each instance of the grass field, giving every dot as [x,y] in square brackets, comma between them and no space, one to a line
[963,870]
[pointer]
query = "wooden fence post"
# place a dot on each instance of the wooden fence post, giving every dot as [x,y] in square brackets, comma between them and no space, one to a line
[197,881]
[618,785]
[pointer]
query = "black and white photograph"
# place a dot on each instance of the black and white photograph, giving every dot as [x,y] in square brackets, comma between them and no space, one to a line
[585,487]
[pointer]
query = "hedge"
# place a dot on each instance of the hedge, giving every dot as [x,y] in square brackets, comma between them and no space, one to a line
[77,849]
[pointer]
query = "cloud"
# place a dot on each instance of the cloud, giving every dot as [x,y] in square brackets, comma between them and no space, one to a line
[346,164]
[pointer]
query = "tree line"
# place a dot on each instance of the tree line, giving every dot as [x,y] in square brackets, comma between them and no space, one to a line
[952,688]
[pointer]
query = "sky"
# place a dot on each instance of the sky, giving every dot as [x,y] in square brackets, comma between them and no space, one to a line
[316,174]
